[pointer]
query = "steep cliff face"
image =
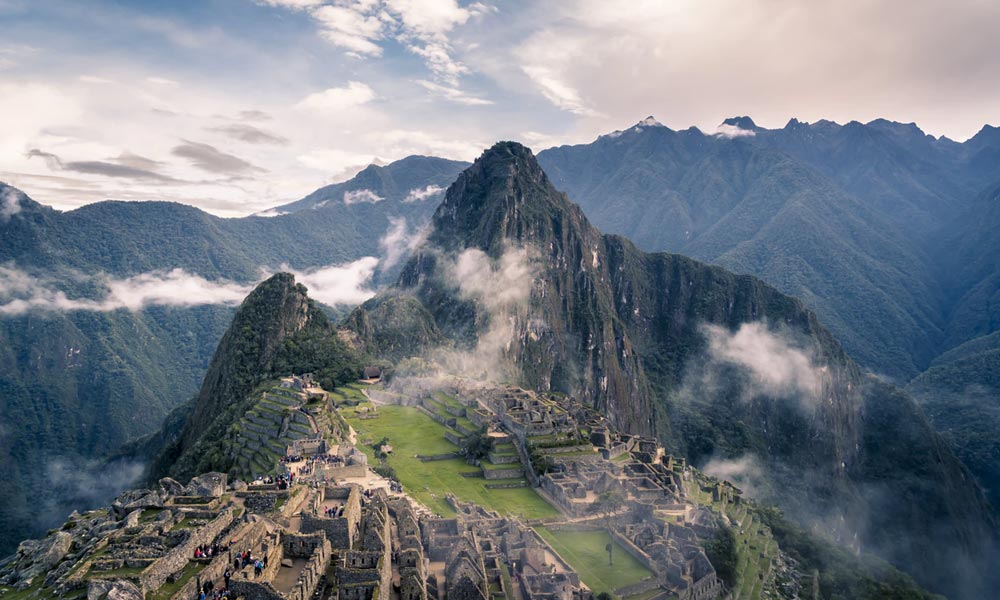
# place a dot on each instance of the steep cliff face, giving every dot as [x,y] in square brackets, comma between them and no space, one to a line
[718,366]
[277,331]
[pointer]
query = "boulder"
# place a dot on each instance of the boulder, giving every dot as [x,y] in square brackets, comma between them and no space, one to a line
[287,562]
[171,486]
[44,554]
[132,520]
[207,484]
[136,500]
[240,486]
[100,589]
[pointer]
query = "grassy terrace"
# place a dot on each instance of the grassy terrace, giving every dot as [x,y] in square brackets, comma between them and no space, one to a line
[169,589]
[584,550]
[412,432]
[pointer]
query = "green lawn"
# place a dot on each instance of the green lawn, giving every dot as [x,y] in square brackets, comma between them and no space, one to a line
[584,550]
[412,432]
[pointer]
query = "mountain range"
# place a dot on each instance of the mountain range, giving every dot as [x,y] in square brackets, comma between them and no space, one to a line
[722,368]
[884,232]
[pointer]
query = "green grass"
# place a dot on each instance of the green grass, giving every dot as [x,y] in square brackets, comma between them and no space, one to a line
[584,550]
[169,589]
[412,432]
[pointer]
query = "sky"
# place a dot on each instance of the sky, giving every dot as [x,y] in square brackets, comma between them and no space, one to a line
[235,106]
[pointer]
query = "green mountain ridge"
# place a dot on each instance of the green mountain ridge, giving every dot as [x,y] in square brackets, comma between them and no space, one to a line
[620,328]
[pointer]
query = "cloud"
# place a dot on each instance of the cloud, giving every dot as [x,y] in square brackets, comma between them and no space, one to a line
[250,134]
[253,115]
[211,159]
[399,241]
[271,212]
[506,282]
[454,94]
[339,285]
[557,91]
[776,368]
[162,81]
[420,194]
[746,472]
[356,196]
[10,204]
[421,26]
[127,166]
[501,291]
[94,79]
[336,99]
[733,131]
[21,293]
[293,4]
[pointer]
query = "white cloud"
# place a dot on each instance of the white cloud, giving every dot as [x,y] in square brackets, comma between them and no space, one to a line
[21,293]
[162,81]
[10,204]
[745,471]
[777,368]
[293,4]
[399,241]
[557,91]
[94,79]
[336,99]
[733,131]
[271,212]
[421,26]
[351,28]
[454,94]
[494,285]
[341,284]
[420,194]
[356,196]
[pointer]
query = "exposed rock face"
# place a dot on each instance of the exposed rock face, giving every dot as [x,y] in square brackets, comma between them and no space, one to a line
[172,486]
[208,484]
[624,330]
[113,590]
[136,500]
[43,554]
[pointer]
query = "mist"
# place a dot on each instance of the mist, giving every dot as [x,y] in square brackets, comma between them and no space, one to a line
[22,292]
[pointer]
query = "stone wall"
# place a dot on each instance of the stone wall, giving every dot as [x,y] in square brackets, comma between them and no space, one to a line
[318,549]
[334,472]
[339,531]
[254,590]
[260,502]
[156,574]
[249,536]
[503,473]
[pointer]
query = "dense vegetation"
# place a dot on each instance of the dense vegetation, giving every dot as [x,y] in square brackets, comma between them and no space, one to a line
[80,384]
[837,574]
[277,331]
[624,331]
[866,223]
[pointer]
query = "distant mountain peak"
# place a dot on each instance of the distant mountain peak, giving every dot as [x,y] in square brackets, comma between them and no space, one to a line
[744,122]
[649,122]
[503,195]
